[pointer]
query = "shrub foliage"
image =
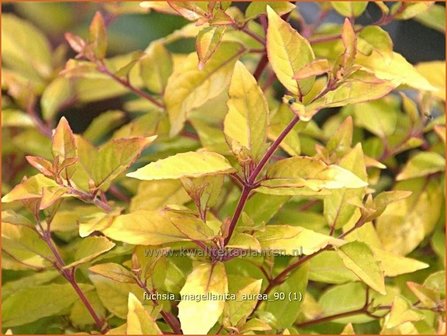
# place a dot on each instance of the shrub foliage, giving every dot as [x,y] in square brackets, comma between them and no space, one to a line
[284,177]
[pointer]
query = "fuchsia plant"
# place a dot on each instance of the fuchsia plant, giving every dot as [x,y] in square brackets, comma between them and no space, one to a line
[285,177]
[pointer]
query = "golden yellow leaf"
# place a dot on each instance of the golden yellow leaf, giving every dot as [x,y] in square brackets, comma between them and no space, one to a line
[189,87]
[246,121]
[144,227]
[207,42]
[189,164]
[203,298]
[434,72]
[139,322]
[288,52]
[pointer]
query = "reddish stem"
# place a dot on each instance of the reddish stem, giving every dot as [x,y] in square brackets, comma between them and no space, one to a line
[250,184]
[240,206]
[101,324]
[124,82]
[41,126]
[69,275]
[252,34]
[170,319]
[261,66]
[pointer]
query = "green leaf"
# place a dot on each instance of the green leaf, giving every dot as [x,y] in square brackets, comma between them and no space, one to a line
[257,8]
[101,125]
[145,125]
[91,85]
[343,298]
[16,118]
[293,240]
[255,324]
[211,136]
[64,145]
[409,10]
[36,279]
[374,38]
[261,208]
[190,164]
[96,221]
[189,10]
[395,68]
[428,297]
[11,217]
[328,267]
[288,52]
[208,280]
[207,42]
[155,67]
[114,295]
[80,316]
[154,195]
[433,17]
[112,159]
[189,88]
[350,8]
[411,109]
[285,311]
[124,71]
[30,304]
[349,39]
[246,122]
[402,312]
[89,248]
[422,164]
[282,117]
[139,322]
[359,258]
[55,95]
[360,87]
[98,36]
[340,141]
[338,209]
[204,191]
[379,116]
[382,200]
[434,72]
[244,241]
[39,188]
[25,246]
[238,310]
[32,60]
[348,330]
[404,224]
[122,329]
[394,265]
[314,68]
[307,176]
[114,272]
[436,282]
[144,227]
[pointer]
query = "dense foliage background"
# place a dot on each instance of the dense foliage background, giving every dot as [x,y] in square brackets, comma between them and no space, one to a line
[290,156]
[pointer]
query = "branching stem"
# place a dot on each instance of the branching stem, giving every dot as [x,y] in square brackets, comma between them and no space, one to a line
[170,319]
[281,277]
[126,83]
[362,310]
[69,275]
[250,184]
[41,126]
[251,34]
